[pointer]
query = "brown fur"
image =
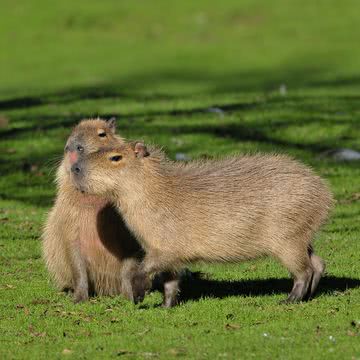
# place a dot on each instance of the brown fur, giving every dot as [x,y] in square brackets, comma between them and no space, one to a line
[232,209]
[86,245]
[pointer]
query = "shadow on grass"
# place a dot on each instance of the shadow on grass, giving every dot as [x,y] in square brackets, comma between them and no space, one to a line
[320,111]
[199,287]
[239,82]
[311,114]
[294,76]
[131,86]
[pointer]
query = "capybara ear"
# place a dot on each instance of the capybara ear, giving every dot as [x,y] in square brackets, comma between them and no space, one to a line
[112,124]
[140,150]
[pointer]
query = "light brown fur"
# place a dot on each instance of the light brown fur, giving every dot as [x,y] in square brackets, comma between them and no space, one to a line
[229,210]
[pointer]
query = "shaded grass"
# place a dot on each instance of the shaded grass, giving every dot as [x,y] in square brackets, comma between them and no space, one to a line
[200,78]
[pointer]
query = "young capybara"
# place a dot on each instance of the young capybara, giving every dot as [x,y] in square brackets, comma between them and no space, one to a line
[86,245]
[225,210]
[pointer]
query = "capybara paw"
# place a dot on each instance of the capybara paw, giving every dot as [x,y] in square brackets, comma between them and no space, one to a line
[291,299]
[171,293]
[138,294]
[140,284]
[80,295]
[169,303]
[139,298]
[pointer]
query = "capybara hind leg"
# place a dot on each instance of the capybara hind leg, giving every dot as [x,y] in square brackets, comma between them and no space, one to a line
[300,287]
[171,290]
[318,265]
[299,265]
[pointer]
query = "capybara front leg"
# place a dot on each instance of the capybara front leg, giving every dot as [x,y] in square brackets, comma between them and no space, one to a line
[128,273]
[81,288]
[140,283]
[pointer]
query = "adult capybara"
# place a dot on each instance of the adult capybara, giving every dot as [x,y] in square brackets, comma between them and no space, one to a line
[225,210]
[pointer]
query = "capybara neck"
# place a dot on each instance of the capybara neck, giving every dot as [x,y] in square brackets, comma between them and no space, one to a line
[78,199]
[91,200]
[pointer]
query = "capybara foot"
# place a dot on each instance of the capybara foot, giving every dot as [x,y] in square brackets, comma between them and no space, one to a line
[140,284]
[301,286]
[171,293]
[170,302]
[80,295]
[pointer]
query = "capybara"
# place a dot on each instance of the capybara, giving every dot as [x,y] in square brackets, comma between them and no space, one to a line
[225,210]
[86,245]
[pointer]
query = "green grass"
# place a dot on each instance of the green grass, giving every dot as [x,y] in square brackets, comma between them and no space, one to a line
[159,66]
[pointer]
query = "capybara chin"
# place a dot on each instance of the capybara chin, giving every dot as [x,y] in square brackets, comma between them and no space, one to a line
[225,210]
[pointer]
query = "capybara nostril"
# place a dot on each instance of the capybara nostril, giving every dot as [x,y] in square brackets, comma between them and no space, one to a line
[76,169]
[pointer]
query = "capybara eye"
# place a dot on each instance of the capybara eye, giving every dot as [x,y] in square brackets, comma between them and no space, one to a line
[103,134]
[80,148]
[116,158]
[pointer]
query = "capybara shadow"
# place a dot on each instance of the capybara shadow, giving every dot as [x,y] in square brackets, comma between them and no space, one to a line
[198,286]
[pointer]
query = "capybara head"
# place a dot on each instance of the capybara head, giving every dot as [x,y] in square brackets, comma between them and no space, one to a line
[100,172]
[88,137]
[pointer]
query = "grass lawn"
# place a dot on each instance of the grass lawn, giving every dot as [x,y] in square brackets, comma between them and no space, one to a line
[199,78]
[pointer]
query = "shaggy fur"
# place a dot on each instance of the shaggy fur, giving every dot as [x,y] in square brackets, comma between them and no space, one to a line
[229,210]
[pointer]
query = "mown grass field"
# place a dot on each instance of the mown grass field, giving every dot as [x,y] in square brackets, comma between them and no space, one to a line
[199,78]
